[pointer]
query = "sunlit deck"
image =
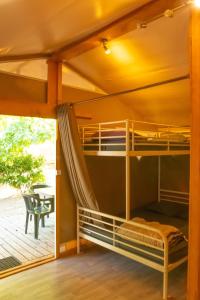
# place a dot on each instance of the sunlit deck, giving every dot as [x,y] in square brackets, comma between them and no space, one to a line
[13,240]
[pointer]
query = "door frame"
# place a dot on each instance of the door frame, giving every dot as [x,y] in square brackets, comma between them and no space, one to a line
[16,107]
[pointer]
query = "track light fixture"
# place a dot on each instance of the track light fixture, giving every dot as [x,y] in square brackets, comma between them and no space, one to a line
[141,25]
[105,46]
[169,13]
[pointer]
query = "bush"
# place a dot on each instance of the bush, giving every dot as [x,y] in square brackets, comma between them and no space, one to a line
[21,171]
[18,168]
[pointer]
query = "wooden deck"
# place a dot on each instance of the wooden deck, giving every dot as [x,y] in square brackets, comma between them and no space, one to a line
[13,240]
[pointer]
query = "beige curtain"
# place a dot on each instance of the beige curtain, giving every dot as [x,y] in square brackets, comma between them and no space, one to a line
[74,158]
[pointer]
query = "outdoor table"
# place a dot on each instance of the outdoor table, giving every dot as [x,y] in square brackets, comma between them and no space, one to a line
[47,196]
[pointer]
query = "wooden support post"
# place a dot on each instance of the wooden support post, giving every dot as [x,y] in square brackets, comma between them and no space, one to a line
[54,98]
[194,220]
[127,178]
[54,95]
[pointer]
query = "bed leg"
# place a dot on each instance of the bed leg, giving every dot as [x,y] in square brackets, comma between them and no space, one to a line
[165,285]
[78,237]
[78,245]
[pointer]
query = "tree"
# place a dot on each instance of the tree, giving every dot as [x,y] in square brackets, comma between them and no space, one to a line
[18,168]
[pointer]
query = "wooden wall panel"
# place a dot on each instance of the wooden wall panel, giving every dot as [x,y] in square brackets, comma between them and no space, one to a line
[175,173]
[108,179]
[20,96]
[21,88]
[144,181]
[107,175]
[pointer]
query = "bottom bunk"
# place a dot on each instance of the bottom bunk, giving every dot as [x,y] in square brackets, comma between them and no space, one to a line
[156,236]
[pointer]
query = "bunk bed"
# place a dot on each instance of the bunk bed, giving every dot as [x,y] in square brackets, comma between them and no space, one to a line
[157,235]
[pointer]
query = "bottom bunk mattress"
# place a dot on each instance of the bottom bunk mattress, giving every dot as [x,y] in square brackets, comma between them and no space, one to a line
[176,252]
[174,214]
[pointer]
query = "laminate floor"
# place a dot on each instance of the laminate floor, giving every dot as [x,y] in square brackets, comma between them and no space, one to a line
[95,274]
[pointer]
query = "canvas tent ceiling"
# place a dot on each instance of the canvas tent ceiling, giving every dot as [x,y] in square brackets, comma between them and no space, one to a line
[38,69]
[41,26]
[158,52]
[141,57]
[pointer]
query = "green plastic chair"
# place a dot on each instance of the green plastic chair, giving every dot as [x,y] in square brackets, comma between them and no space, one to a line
[35,208]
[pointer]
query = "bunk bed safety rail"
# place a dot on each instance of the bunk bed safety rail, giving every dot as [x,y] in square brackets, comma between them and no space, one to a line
[129,135]
[174,196]
[103,229]
[107,228]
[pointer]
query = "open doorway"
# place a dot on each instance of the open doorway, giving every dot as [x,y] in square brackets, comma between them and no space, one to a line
[27,191]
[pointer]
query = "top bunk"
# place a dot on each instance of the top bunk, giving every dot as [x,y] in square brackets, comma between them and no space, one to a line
[134,138]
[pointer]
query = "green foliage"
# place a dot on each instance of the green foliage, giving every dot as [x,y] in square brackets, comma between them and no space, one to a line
[18,168]
[21,171]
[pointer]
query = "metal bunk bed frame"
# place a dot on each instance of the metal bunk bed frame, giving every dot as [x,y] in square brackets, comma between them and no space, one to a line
[95,220]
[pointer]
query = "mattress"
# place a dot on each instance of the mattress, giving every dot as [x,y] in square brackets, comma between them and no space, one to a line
[151,214]
[181,224]
[175,253]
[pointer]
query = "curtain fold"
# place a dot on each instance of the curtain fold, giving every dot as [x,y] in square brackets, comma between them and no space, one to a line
[74,157]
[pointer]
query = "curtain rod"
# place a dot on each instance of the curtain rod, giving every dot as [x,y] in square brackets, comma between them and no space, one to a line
[148,86]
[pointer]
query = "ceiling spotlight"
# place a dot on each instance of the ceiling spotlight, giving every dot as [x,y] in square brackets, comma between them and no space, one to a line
[105,46]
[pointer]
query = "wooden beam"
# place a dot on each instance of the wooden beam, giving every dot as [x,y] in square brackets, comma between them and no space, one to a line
[17,107]
[22,57]
[117,28]
[194,222]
